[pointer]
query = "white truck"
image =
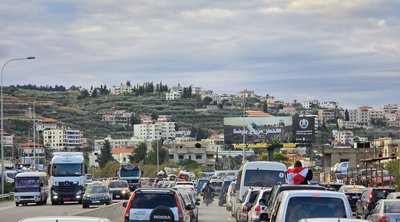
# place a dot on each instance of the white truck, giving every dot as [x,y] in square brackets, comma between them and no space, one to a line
[131,174]
[67,171]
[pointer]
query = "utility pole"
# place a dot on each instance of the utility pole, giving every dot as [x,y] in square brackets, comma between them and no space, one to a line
[244,130]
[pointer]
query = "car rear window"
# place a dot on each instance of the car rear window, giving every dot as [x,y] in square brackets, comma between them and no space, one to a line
[217,184]
[314,207]
[392,207]
[381,193]
[265,195]
[153,200]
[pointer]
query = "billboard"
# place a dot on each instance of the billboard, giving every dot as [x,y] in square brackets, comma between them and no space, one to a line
[303,130]
[257,129]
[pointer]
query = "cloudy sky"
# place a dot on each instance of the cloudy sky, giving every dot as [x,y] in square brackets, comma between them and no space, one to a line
[340,50]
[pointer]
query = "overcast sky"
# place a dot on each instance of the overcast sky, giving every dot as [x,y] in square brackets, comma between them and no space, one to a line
[340,50]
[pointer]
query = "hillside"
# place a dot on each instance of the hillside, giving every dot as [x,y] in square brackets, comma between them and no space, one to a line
[86,114]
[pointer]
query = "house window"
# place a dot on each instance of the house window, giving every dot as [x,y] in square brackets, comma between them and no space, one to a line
[171,157]
[198,157]
[180,157]
[190,157]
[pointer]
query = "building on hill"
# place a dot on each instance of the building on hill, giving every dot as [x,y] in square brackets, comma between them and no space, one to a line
[117,117]
[156,131]
[122,154]
[173,95]
[325,115]
[194,150]
[246,94]
[117,90]
[288,110]
[46,124]
[343,137]
[8,139]
[116,143]
[59,139]
[256,113]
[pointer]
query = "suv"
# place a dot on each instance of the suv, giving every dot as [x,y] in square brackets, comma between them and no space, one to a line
[279,188]
[353,194]
[145,204]
[368,199]
[119,189]
[294,205]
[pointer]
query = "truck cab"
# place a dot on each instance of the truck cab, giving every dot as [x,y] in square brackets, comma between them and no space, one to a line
[67,170]
[131,174]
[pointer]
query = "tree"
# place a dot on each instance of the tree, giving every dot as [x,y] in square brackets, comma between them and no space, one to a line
[105,154]
[346,115]
[152,154]
[84,94]
[207,100]
[139,154]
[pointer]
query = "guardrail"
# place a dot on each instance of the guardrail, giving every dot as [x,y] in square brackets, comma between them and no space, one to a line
[6,196]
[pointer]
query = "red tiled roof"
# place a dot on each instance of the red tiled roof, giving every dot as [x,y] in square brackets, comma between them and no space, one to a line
[48,120]
[255,113]
[364,107]
[122,150]
[30,145]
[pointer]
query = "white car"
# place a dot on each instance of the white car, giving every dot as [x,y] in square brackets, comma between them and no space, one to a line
[230,196]
[259,206]
[294,205]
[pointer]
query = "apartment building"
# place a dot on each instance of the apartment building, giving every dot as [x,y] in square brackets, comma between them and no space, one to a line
[155,131]
[246,94]
[193,150]
[391,108]
[325,115]
[310,103]
[116,90]
[122,154]
[117,117]
[343,137]
[288,110]
[30,151]
[54,138]
[59,139]
[8,139]
[46,124]
[361,116]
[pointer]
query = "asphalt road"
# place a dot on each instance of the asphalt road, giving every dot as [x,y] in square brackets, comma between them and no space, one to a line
[10,213]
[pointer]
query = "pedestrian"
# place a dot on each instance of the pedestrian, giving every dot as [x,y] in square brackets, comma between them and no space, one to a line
[298,174]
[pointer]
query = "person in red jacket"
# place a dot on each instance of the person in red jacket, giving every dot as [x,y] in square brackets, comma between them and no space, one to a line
[298,174]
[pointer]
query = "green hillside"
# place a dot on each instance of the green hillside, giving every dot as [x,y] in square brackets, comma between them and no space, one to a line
[86,114]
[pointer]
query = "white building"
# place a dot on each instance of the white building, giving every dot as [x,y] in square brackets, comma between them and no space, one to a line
[391,108]
[122,154]
[194,150]
[46,124]
[59,139]
[116,90]
[246,94]
[173,95]
[116,143]
[31,151]
[117,117]
[360,116]
[310,103]
[156,131]
[343,137]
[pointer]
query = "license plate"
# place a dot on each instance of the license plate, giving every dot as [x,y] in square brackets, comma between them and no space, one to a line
[116,196]
[67,198]
[96,201]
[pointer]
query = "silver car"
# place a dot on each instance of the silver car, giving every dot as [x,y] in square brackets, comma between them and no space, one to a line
[385,210]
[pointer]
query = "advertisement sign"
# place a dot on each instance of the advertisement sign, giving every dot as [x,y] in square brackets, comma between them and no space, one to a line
[303,130]
[256,130]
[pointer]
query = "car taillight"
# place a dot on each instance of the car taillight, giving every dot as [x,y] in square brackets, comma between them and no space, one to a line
[257,210]
[370,198]
[180,210]
[244,209]
[190,212]
[383,219]
[128,207]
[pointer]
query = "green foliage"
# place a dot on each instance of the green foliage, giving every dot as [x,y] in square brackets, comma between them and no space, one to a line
[394,169]
[190,164]
[105,154]
[109,170]
[278,157]
[84,94]
[207,100]
[151,157]
[139,154]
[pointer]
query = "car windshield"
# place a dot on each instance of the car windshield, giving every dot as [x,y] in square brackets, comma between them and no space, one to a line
[263,178]
[392,207]
[266,195]
[130,173]
[153,200]
[97,189]
[26,184]
[118,184]
[314,207]
[67,169]
[353,189]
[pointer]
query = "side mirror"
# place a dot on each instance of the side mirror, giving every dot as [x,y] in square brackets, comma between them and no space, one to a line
[190,207]
[124,204]
[197,203]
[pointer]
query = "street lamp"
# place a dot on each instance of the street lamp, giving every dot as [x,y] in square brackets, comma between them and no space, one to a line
[2,118]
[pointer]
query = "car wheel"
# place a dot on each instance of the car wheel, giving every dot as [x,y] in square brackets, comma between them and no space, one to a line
[84,206]
[79,201]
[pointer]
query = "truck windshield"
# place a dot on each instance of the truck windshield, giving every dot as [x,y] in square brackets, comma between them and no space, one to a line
[26,184]
[74,169]
[130,173]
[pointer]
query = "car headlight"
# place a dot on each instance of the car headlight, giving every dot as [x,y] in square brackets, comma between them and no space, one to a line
[124,191]
[106,197]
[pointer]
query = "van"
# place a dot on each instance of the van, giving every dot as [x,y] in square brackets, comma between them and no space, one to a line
[31,187]
[259,174]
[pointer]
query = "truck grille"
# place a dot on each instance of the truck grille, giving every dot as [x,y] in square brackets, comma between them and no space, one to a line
[133,181]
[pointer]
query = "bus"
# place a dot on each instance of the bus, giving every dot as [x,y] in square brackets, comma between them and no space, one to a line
[259,174]
[226,174]
[31,187]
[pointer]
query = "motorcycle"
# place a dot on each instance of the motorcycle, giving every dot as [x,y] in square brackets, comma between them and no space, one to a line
[208,198]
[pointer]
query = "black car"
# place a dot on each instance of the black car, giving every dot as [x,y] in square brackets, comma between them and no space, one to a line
[369,197]
[119,189]
[353,194]
[222,194]
[96,195]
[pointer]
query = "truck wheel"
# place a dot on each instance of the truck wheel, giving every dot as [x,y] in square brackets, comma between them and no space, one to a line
[16,204]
